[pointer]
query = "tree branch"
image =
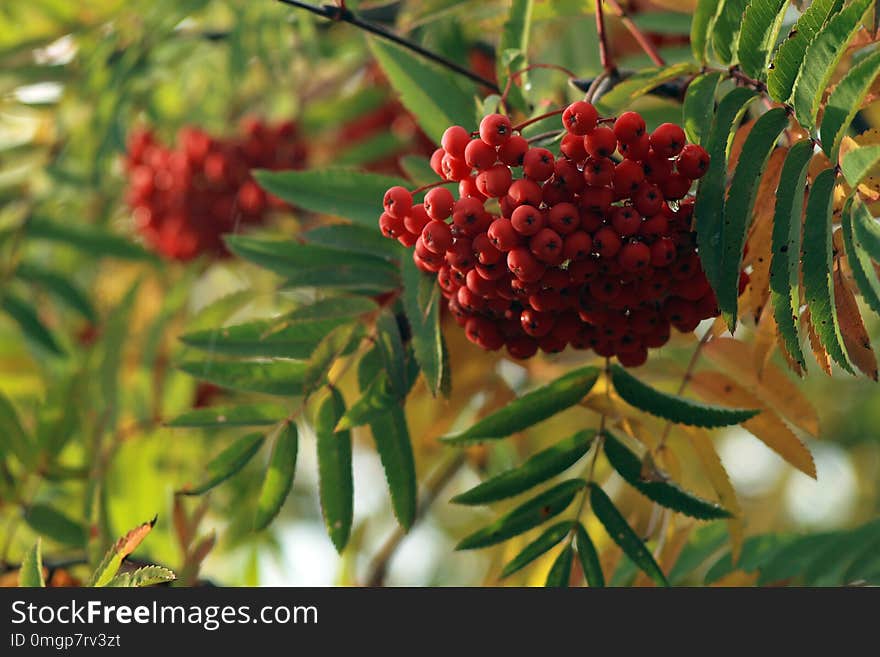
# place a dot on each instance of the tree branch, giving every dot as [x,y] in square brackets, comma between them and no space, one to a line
[604,52]
[344,15]
[643,41]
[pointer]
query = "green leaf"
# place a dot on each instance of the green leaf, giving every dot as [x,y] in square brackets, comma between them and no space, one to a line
[145,576]
[699,104]
[531,408]
[539,509]
[375,402]
[290,339]
[726,29]
[739,206]
[859,261]
[353,237]
[866,230]
[335,344]
[857,164]
[347,278]
[638,84]
[761,23]
[13,438]
[30,323]
[786,246]
[391,434]
[672,407]
[51,523]
[89,239]
[390,346]
[59,286]
[279,476]
[244,415]
[289,259]
[790,56]
[227,463]
[427,340]
[701,27]
[821,59]
[353,195]
[560,571]
[589,558]
[280,377]
[623,535]
[117,553]
[664,493]
[31,573]
[539,546]
[334,469]
[335,307]
[513,50]
[431,94]
[709,207]
[816,259]
[418,169]
[537,469]
[845,102]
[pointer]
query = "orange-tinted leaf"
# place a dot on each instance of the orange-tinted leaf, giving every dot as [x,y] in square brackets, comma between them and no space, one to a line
[819,352]
[773,386]
[765,340]
[767,426]
[852,328]
[121,549]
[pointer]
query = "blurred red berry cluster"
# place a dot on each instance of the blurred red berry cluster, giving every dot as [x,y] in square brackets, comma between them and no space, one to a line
[592,249]
[185,197]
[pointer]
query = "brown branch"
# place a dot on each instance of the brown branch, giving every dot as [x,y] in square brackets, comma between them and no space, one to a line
[643,41]
[604,52]
[344,15]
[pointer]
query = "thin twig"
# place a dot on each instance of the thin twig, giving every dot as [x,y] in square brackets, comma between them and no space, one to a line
[604,52]
[643,41]
[344,15]
[688,373]
[435,484]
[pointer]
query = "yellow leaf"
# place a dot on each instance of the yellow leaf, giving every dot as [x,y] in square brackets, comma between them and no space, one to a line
[714,470]
[766,426]
[765,339]
[773,386]
[852,328]
[819,352]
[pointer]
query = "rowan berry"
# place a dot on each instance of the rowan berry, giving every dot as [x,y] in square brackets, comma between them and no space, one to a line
[627,177]
[416,219]
[577,245]
[527,220]
[522,347]
[633,358]
[453,168]
[600,143]
[635,150]
[692,162]
[667,140]
[503,235]
[598,171]
[580,117]
[572,146]
[480,155]
[495,181]
[525,192]
[398,201]
[454,140]
[495,129]
[606,242]
[546,244]
[538,164]
[437,236]
[629,126]
[634,256]
[535,323]
[662,252]
[513,151]
[675,186]
[625,220]
[484,334]
[439,203]
[525,265]
[564,218]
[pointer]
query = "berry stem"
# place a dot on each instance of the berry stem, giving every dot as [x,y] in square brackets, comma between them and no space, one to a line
[604,52]
[341,14]
[535,119]
[437,183]
[643,41]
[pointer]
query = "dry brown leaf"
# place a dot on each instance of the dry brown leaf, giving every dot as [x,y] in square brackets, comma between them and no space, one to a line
[819,352]
[774,387]
[852,328]
[736,146]
[766,426]
[714,470]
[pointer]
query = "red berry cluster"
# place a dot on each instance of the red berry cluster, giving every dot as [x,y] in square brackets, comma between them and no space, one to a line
[186,197]
[592,249]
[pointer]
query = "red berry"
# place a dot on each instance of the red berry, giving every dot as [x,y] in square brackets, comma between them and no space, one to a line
[634,256]
[629,126]
[522,347]
[564,218]
[536,323]
[636,150]
[572,146]
[416,219]
[625,220]
[597,200]
[524,265]
[503,235]
[495,129]
[634,358]
[605,290]
[598,171]
[648,199]
[601,142]
[546,244]
[484,333]
[538,164]
[513,151]
[480,155]
[525,192]
[527,220]
[577,245]
[407,238]
[495,181]
[479,285]
[437,237]
[468,187]
[668,140]
[398,202]
[439,202]
[692,162]
[461,255]
[606,242]
[484,251]
[391,227]
[580,117]
[662,252]
[454,141]
[469,300]
[676,186]
[656,168]
[453,168]
[628,175]
[568,176]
